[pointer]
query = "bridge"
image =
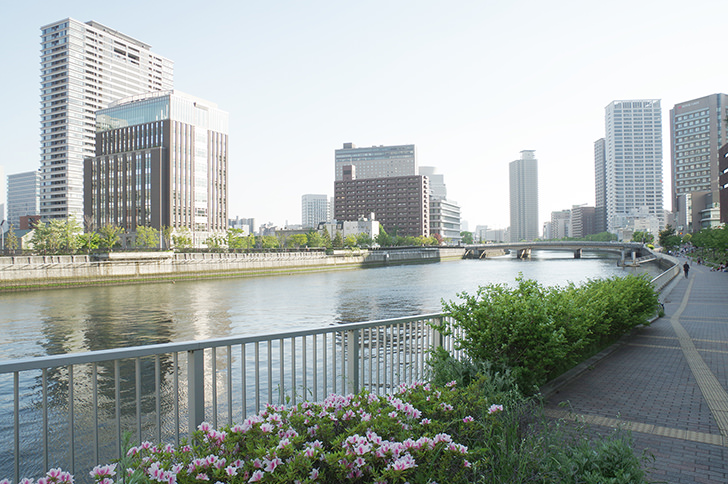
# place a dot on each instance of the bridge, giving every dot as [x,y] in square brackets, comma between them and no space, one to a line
[523,249]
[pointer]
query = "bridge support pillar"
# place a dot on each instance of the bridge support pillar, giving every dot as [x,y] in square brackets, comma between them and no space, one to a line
[524,253]
[577,253]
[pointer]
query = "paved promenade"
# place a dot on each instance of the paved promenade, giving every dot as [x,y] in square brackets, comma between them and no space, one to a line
[667,383]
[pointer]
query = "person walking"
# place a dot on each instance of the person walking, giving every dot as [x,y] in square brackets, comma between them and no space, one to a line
[686,268]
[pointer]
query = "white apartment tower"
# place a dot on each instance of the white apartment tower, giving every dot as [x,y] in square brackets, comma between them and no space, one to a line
[84,67]
[314,210]
[633,164]
[524,197]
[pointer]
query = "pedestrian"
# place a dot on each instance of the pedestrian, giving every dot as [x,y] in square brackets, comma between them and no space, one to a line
[686,268]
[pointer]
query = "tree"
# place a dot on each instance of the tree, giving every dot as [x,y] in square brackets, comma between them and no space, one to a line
[183,239]
[298,240]
[167,236]
[364,240]
[438,238]
[109,236]
[315,239]
[11,240]
[384,239]
[644,237]
[269,242]
[338,241]
[669,239]
[88,241]
[216,241]
[350,241]
[146,236]
[467,237]
[56,236]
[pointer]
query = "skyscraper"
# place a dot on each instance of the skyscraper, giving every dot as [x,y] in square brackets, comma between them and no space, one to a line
[84,67]
[161,161]
[314,209]
[697,131]
[600,184]
[524,197]
[633,168]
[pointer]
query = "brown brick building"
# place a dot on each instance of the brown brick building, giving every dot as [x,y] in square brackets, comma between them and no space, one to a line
[401,204]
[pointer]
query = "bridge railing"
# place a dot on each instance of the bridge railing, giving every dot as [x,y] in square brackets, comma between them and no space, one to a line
[73,410]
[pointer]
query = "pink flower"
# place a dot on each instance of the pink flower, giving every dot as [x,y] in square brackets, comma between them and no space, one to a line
[314,474]
[403,463]
[495,408]
[266,428]
[101,471]
[272,464]
[231,470]
[451,384]
[425,421]
[202,477]
[204,426]
[257,475]
[466,463]
[468,419]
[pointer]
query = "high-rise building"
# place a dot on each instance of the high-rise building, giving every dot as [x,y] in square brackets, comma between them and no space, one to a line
[560,226]
[633,169]
[582,221]
[84,67]
[23,191]
[723,183]
[382,180]
[600,183]
[161,161]
[524,197]
[314,210]
[376,161]
[698,129]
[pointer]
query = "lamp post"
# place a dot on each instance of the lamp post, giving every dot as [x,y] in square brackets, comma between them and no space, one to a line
[2,236]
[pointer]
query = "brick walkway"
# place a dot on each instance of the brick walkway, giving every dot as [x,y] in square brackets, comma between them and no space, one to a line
[667,383]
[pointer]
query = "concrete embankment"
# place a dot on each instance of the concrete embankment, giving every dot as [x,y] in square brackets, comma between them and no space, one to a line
[41,272]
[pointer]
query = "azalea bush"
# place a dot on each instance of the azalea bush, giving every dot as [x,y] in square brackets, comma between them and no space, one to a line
[483,432]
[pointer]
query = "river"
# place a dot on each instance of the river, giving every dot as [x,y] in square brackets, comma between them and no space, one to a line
[94,318]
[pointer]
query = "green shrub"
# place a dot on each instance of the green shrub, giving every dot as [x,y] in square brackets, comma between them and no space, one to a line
[537,332]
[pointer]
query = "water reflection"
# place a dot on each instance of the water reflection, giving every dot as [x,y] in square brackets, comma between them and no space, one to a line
[84,319]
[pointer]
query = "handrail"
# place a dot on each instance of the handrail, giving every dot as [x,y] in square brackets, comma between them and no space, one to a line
[84,402]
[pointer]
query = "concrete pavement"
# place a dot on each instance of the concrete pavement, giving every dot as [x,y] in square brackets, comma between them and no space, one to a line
[667,383]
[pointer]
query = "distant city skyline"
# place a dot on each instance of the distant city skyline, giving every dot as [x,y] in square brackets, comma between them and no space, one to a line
[298,79]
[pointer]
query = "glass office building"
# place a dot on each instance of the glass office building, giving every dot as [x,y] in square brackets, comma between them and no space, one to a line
[161,161]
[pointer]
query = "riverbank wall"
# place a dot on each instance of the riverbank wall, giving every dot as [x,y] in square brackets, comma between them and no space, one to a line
[19,273]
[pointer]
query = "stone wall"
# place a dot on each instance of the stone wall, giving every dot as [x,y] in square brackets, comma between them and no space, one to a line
[36,272]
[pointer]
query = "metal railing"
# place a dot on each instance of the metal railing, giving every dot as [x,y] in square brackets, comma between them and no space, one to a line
[74,410]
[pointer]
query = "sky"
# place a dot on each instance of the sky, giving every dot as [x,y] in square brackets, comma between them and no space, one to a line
[470,83]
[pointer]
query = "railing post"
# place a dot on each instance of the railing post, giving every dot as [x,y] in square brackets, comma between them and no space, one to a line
[352,367]
[196,388]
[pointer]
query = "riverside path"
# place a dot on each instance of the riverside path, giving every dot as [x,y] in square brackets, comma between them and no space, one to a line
[666,383]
